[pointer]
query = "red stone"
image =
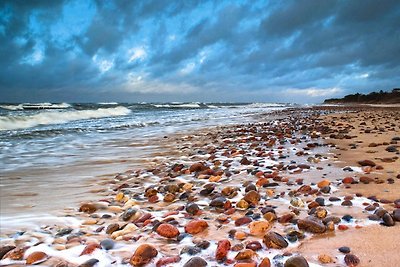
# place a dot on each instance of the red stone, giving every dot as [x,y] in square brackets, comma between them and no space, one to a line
[167,260]
[167,230]
[90,248]
[348,180]
[196,226]
[222,249]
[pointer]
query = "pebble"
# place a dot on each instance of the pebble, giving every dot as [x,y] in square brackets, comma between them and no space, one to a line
[107,244]
[347,203]
[167,260]
[242,221]
[88,208]
[252,197]
[143,255]
[351,260]
[242,204]
[323,183]
[275,240]
[89,248]
[366,163]
[265,262]
[296,261]
[36,257]
[348,180]
[223,248]
[245,254]
[218,202]
[254,245]
[297,202]
[323,258]
[388,220]
[196,226]
[259,227]
[192,208]
[396,215]
[311,224]
[167,230]
[16,253]
[344,250]
[195,262]
[4,250]
[112,228]
[128,214]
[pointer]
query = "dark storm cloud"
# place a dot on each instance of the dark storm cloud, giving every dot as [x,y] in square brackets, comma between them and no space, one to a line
[188,50]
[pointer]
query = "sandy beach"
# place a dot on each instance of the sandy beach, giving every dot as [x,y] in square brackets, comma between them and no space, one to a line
[315,186]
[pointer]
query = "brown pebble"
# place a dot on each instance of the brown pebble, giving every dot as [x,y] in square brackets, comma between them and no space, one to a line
[143,255]
[351,260]
[36,257]
[88,208]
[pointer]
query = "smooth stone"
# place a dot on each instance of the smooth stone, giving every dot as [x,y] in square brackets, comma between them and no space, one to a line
[245,254]
[223,248]
[143,255]
[87,208]
[347,218]
[396,215]
[296,261]
[36,258]
[242,221]
[347,203]
[311,224]
[107,243]
[195,262]
[252,197]
[191,250]
[323,258]
[195,226]
[167,230]
[275,240]
[351,260]
[388,220]
[366,163]
[4,250]
[128,214]
[192,208]
[218,202]
[344,250]
[259,227]
[254,245]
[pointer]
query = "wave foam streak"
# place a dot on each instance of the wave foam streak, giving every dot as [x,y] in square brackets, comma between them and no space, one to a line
[57,117]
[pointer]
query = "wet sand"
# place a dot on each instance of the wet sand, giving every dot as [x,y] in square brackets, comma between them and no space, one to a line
[275,187]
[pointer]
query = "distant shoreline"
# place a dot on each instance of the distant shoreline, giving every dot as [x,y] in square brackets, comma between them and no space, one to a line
[372,98]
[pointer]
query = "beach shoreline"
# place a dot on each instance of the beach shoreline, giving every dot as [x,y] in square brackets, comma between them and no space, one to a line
[281,160]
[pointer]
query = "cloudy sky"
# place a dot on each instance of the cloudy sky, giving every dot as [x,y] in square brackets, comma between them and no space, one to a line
[133,51]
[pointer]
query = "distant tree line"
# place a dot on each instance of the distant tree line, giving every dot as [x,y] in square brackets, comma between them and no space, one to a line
[380,97]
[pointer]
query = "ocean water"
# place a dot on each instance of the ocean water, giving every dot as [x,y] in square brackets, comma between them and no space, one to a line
[47,156]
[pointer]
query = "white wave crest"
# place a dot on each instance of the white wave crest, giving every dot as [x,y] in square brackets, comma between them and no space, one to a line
[56,117]
[178,105]
[12,107]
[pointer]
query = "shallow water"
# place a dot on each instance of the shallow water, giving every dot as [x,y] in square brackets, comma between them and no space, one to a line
[53,159]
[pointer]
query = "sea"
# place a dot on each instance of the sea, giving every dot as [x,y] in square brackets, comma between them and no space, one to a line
[50,158]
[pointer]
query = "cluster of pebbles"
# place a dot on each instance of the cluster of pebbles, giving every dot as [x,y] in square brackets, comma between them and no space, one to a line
[241,196]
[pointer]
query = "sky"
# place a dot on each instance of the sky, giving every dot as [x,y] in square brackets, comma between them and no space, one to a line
[208,51]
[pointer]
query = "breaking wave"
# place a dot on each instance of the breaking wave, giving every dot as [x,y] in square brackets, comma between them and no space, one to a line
[57,117]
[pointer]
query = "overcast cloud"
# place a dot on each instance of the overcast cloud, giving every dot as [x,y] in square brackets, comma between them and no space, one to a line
[132,51]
